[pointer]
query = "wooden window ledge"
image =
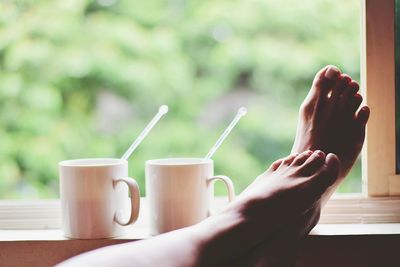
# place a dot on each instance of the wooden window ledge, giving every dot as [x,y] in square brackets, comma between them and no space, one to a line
[138,233]
[353,244]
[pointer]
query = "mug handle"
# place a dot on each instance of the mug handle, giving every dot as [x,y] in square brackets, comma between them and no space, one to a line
[135,200]
[229,186]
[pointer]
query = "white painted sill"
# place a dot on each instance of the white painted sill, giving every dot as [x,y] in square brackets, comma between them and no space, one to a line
[348,214]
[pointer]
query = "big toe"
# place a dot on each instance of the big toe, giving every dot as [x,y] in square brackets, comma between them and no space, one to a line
[328,172]
[323,82]
[325,79]
[326,175]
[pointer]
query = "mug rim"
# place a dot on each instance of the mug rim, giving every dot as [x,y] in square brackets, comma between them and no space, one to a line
[90,162]
[182,161]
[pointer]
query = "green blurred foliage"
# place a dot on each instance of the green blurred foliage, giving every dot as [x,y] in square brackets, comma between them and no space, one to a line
[202,58]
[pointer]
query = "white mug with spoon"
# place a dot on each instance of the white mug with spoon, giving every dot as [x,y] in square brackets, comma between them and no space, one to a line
[93,195]
[180,190]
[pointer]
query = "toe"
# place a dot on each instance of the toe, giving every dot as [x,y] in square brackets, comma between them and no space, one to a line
[363,115]
[313,163]
[351,89]
[301,158]
[325,79]
[354,103]
[323,83]
[340,87]
[275,165]
[332,72]
[328,173]
[289,159]
[326,76]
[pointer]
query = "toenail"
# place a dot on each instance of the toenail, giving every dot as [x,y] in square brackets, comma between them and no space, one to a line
[319,153]
[354,84]
[353,88]
[332,72]
[345,79]
[358,97]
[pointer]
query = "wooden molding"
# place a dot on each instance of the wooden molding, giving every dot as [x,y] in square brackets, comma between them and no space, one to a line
[378,82]
[355,209]
[341,208]
[394,185]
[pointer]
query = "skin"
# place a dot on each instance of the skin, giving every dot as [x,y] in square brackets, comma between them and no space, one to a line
[280,207]
[285,192]
[331,120]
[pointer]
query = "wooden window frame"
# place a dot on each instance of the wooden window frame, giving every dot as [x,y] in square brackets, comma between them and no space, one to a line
[378,81]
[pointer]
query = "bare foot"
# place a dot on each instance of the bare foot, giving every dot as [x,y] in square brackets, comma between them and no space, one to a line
[286,205]
[328,121]
[289,188]
[328,118]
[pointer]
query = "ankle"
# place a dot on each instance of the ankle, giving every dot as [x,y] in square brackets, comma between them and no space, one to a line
[217,237]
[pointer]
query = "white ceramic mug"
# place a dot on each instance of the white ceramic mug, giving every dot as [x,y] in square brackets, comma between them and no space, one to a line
[180,192]
[94,198]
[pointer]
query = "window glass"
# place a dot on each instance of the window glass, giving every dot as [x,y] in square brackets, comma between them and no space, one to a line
[82,78]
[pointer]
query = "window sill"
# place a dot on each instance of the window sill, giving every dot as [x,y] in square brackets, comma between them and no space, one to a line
[340,209]
[344,215]
[350,225]
[138,233]
[351,243]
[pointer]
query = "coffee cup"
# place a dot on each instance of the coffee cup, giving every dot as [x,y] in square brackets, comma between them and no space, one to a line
[94,197]
[180,192]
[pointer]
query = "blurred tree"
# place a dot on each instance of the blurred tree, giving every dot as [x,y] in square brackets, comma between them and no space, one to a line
[81,78]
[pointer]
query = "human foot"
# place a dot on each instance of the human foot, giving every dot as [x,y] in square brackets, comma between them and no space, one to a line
[328,118]
[289,188]
[281,248]
[282,205]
